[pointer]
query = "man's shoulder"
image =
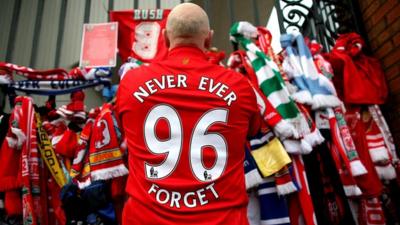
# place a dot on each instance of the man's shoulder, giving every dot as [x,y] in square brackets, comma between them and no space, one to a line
[136,74]
[230,75]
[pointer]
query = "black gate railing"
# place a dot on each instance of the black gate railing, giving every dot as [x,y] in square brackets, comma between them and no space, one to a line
[322,20]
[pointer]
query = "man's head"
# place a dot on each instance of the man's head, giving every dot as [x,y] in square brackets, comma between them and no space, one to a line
[188,24]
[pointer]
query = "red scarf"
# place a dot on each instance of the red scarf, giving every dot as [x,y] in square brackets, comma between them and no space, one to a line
[10,166]
[357,73]
[80,169]
[30,160]
[370,212]
[105,155]
[340,157]
[301,208]
[378,150]
[369,183]
[31,74]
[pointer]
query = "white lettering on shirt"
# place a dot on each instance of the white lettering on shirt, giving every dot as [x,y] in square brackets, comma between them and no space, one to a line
[190,199]
[207,84]
[219,89]
[165,81]
[148,14]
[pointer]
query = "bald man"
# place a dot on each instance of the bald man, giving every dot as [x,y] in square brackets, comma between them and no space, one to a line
[186,122]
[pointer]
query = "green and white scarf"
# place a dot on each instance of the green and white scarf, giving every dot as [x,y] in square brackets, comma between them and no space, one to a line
[269,78]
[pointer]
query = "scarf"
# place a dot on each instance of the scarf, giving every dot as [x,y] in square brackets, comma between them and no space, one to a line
[58,74]
[267,72]
[252,176]
[331,198]
[284,181]
[10,153]
[132,63]
[350,186]
[300,204]
[273,208]
[369,183]
[370,212]
[215,57]
[80,169]
[314,137]
[344,142]
[75,110]
[90,73]
[10,167]
[273,87]
[48,154]
[340,131]
[380,121]
[339,156]
[314,89]
[105,155]
[239,62]
[264,41]
[52,74]
[357,73]
[309,140]
[270,158]
[378,151]
[253,208]
[30,174]
[55,87]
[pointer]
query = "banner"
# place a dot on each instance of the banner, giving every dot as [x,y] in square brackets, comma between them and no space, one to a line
[140,33]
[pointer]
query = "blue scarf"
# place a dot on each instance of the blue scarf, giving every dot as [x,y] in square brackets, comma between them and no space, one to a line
[314,89]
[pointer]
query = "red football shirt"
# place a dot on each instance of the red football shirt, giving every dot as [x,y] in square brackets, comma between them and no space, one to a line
[140,33]
[186,122]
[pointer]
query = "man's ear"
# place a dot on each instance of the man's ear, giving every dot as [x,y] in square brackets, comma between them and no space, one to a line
[165,35]
[207,42]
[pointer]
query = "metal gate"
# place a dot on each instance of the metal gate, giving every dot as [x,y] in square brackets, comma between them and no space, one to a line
[322,20]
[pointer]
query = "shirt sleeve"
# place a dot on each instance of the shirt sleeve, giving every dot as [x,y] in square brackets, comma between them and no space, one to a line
[256,120]
[269,114]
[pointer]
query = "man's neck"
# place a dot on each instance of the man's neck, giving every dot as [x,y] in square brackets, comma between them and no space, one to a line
[182,44]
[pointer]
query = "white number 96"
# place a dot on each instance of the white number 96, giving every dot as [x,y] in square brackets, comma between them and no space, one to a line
[172,147]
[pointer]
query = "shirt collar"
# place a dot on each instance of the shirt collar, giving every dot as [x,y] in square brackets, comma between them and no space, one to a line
[187,51]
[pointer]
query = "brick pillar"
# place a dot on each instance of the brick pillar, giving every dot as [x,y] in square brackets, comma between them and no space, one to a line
[382,23]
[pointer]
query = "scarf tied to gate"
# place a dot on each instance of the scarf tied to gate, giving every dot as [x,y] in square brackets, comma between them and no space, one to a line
[314,89]
[273,87]
[80,169]
[7,70]
[105,154]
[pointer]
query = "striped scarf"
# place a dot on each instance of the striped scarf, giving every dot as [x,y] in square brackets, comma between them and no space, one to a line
[283,179]
[273,208]
[380,121]
[105,155]
[267,72]
[7,69]
[301,207]
[252,176]
[378,151]
[344,142]
[30,160]
[238,62]
[80,169]
[273,87]
[350,186]
[314,89]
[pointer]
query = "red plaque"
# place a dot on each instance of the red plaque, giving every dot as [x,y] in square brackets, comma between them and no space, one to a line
[99,45]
